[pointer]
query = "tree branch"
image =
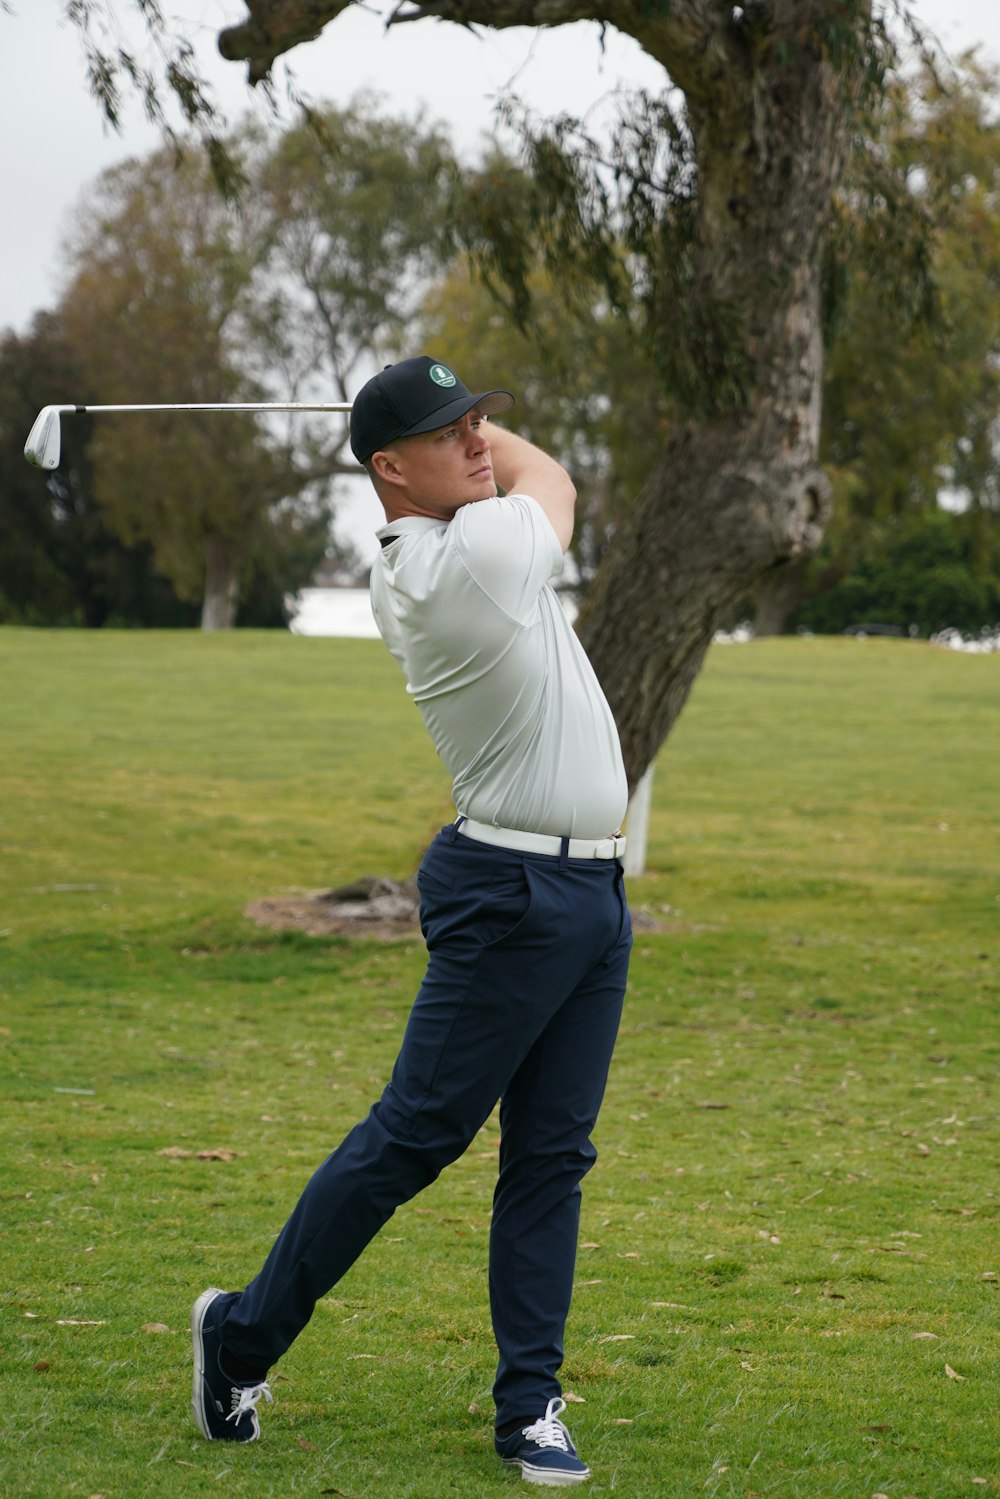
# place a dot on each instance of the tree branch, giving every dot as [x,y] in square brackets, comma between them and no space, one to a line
[673,31]
[273,28]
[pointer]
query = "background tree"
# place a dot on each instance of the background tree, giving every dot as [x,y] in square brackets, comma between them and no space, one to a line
[60,561]
[60,564]
[178,296]
[351,211]
[161,272]
[912,390]
[918,575]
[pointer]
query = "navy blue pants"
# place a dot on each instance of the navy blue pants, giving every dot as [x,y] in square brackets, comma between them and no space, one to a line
[521,1002]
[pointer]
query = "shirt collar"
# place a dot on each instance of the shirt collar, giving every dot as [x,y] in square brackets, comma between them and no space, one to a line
[410,524]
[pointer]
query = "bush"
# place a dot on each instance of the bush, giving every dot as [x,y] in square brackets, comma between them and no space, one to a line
[925,577]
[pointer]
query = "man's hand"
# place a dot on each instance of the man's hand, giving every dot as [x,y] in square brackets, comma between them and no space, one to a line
[521,468]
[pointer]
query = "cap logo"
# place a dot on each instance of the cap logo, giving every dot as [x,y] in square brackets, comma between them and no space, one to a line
[441,375]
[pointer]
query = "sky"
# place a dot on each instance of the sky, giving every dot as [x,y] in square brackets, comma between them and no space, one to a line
[55,142]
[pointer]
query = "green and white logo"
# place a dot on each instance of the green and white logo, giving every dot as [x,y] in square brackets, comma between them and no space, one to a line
[441,375]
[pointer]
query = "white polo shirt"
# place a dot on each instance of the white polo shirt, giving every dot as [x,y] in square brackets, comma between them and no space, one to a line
[506,690]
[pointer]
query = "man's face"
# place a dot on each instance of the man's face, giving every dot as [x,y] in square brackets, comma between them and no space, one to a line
[438,472]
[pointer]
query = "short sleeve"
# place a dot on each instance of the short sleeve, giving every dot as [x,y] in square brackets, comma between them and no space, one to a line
[509,548]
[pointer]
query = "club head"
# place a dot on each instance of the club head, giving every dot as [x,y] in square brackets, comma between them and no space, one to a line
[43,444]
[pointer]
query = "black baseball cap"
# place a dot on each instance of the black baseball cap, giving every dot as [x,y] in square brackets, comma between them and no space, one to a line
[416,395]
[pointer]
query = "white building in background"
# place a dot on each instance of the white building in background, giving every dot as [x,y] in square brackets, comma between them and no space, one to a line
[348,612]
[334,611]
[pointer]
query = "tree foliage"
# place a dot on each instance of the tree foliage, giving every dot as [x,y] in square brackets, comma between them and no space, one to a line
[60,561]
[912,390]
[582,200]
[909,398]
[585,391]
[352,225]
[114,71]
[922,574]
[161,275]
[912,315]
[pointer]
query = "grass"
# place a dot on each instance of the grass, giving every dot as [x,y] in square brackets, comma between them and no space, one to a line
[789,1275]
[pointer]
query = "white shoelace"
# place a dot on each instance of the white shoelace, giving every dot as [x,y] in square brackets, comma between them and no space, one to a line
[549,1431]
[245,1398]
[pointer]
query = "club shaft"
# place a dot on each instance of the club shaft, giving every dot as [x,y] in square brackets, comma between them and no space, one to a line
[217,406]
[43,444]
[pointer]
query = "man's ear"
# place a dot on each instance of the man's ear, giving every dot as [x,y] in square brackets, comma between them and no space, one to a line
[385,466]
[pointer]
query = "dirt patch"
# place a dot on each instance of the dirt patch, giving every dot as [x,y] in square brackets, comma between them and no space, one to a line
[369,909]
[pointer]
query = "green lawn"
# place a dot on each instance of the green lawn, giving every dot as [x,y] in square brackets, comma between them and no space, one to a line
[789,1279]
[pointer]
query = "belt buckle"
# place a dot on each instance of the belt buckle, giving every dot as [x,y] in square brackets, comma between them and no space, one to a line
[615,847]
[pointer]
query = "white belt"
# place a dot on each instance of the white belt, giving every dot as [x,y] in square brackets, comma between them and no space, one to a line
[611,847]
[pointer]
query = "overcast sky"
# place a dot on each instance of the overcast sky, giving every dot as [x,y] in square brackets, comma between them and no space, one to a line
[54,143]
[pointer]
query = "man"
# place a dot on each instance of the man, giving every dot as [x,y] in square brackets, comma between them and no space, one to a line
[522,909]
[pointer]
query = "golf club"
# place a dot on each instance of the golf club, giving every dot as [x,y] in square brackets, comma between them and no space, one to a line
[44,439]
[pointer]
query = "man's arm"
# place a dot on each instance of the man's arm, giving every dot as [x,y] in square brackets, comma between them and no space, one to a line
[521,468]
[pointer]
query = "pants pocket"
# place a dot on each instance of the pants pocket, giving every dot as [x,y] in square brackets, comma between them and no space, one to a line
[505,905]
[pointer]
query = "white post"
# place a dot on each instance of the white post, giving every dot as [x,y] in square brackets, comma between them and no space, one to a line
[637,825]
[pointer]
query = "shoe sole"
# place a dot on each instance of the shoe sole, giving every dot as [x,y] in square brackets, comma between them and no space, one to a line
[198,1311]
[547,1477]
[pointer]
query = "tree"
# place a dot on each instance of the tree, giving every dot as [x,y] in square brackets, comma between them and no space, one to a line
[160,275]
[920,574]
[948,145]
[351,216]
[60,564]
[722,191]
[178,296]
[912,393]
[60,561]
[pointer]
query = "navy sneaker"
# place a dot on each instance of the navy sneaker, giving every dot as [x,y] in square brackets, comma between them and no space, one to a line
[544,1452]
[225,1409]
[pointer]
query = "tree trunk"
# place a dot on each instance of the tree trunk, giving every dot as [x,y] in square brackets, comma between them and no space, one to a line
[737,494]
[222,571]
[781,591]
[727,499]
